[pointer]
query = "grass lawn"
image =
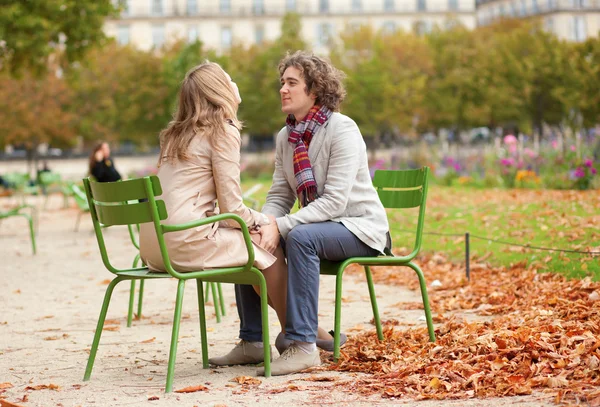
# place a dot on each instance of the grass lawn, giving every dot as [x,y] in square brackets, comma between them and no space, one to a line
[568,220]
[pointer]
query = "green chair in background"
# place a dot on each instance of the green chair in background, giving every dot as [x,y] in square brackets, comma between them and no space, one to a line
[82,203]
[217,291]
[397,190]
[51,182]
[30,219]
[118,203]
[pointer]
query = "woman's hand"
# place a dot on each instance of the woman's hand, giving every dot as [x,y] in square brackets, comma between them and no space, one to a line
[270,235]
[99,156]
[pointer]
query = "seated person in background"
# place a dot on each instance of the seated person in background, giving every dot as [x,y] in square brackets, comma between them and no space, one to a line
[102,166]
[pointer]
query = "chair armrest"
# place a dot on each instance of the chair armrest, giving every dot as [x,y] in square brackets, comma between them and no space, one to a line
[206,221]
[213,219]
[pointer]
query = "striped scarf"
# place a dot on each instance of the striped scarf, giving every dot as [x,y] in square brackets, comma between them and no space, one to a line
[300,135]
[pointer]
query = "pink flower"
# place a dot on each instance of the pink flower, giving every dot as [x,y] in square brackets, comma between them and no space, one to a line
[510,139]
[573,148]
[530,153]
[588,162]
[594,171]
[579,172]
[554,144]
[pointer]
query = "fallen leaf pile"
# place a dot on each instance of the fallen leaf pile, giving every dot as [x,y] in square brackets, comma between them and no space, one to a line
[544,335]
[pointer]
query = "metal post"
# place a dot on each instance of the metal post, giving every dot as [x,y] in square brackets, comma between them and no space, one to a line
[467,265]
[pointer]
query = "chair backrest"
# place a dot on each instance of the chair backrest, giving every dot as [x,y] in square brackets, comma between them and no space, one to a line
[129,202]
[404,189]
[48,178]
[80,198]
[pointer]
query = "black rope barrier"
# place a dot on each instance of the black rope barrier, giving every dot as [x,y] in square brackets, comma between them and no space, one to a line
[468,237]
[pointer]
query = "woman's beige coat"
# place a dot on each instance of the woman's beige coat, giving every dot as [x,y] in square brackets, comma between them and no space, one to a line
[191,190]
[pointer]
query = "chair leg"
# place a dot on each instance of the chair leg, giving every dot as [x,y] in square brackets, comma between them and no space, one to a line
[264,308]
[202,313]
[221,299]
[136,260]
[100,326]
[174,336]
[213,287]
[140,299]
[376,317]
[31,234]
[131,298]
[77,222]
[337,325]
[425,300]
[207,292]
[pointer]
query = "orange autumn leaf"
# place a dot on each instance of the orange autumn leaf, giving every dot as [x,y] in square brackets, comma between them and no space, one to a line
[192,389]
[246,380]
[5,385]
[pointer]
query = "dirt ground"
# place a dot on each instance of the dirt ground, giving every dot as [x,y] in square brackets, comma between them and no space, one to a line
[49,305]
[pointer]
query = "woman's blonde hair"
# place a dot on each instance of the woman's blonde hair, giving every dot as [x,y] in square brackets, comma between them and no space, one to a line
[207,103]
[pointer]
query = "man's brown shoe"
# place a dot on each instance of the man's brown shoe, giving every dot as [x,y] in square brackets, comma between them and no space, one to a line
[293,360]
[244,353]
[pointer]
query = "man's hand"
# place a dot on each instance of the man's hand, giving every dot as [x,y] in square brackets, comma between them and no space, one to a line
[269,235]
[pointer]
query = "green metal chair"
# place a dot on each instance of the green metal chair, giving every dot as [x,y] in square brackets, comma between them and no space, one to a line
[396,189]
[30,219]
[82,203]
[217,291]
[117,203]
[51,182]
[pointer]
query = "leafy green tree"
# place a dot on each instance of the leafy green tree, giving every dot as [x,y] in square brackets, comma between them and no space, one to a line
[255,71]
[386,79]
[453,93]
[34,111]
[119,95]
[32,30]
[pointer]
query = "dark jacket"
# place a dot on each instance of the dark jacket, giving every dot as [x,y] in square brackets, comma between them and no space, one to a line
[105,171]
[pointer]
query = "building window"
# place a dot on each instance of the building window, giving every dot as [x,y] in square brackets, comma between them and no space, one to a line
[523,11]
[356,5]
[225,6]
[421,5]
[388,5]
[502,10]
[579,30]
[258,7]
[534,6]
[158,35]
[513,9]
[453,5]
[551,4]
[123,34]
[226,38]
[324,6]
[290,5]
[389,27]
[192,33]
[549,24]
[422,27]
[192,7]
[259,34]
[125,7]
[157,7]
[324,34]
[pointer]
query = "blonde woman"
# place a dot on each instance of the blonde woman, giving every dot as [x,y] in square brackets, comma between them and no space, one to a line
[199,170]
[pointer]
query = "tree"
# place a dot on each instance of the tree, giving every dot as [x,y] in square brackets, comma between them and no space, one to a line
[386,79]
[453,92]
[120,94]
[258,80]
[33,30]
[35,111]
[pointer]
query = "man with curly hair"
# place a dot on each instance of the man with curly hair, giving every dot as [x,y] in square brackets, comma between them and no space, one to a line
[321,162]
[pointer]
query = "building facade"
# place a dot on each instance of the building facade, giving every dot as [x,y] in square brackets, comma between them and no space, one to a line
[573,20]
[219,24]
